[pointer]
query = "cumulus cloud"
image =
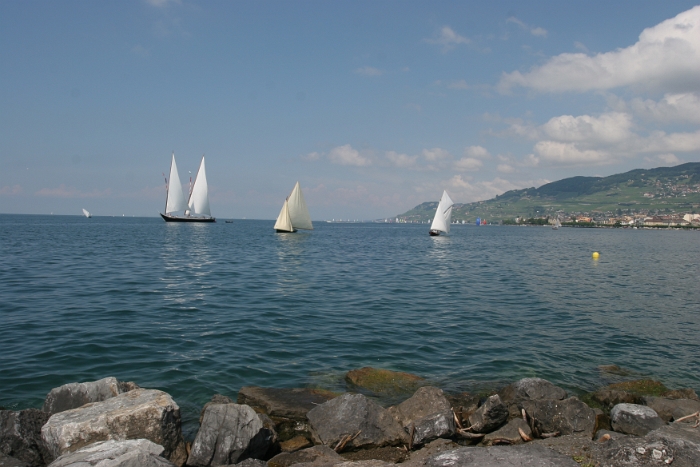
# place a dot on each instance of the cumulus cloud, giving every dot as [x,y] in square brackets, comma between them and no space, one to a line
[64,191]
[477,151]
[535,31]
[558,153]
[369,71]
[683,107]
[468,164]
[660,141]
[666,56]
[346,155]
[505,168]
[312,156]
[447,39]
[609,128]
[436,155]
[401,160]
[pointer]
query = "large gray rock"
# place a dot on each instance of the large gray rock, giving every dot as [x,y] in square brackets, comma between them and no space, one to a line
[128,453]
[677,444]
[351,414]
[139,414]
[508,434]
[315,456]
[634,419]
[672,409]
[287,408]
[20,435]
[525,455]
[565,416]
[425,401]
[74,395]
[229,434]
[9,461]
[433,426]
[491,415]
[531,389]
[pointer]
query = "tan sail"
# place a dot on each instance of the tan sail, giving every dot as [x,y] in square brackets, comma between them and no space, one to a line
[284,222]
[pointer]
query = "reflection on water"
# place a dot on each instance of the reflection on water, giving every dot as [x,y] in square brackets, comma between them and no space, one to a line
[291,263]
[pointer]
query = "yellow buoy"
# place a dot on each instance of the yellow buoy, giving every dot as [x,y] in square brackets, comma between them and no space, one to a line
[595,255]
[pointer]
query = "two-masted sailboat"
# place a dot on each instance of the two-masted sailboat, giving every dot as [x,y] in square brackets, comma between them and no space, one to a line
[196,209]
[443,216]
[294,214]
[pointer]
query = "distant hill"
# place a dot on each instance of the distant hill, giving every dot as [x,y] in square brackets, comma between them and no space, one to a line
[662,190]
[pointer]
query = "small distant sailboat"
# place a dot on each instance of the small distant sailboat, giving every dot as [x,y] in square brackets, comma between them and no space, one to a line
[443,216]
[197,208]
[86,213]
[294,214]
[557,224]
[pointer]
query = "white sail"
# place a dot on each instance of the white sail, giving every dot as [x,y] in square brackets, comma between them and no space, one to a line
[86,213]
[175,200]
[298,212]
[284,222]
[199,198]
[443,214]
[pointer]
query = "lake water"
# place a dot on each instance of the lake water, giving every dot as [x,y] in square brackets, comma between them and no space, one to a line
[198,309]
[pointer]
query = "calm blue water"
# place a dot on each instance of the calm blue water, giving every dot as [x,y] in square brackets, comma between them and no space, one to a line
[197,309]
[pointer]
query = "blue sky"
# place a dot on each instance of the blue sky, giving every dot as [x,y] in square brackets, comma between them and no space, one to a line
[374,106]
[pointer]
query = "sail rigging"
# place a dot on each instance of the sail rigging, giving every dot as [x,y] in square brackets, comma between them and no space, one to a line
[294,214]
[175,199]
[199,197]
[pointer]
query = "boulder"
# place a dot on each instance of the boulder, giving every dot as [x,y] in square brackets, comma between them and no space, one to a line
[629,392]
[491,415]
[317,455]
[382,381]
[74,395]
[564,416]
[139,414]
[356,416]
[634,419]
[498,456]
[464,404]
[215,399]
[229,434]
[286,407]
[672,409]
[127,453]
[417,458]
[433,426]
[9,461]
[425,401]
[608,398]
[677,444]
[531,389]
[508,434]
[249,463]
[20,435]
[295,444]
[390,454]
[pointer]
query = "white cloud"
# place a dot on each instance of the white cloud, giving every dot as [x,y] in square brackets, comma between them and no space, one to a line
[448,39]
[669,159]
[436,155]
[346,155]
[468,164]
[609,128]
[558,153]
[505,168]
[660,141]
[666,56]
[535,31]
[477,151]
[401,160]
[312,156]
[369,71]
[683,107]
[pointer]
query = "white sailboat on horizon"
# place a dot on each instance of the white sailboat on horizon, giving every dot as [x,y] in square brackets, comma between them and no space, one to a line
[294,214]
[443,216]
[197,208]
[86,213]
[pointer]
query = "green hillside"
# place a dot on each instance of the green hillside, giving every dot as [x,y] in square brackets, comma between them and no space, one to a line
[655,191]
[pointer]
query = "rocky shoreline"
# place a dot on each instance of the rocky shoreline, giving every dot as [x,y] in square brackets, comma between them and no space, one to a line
[531,422]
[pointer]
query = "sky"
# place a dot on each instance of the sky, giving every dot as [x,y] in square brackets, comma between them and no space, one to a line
[373,106]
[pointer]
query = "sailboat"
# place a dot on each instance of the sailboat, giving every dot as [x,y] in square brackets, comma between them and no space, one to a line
[86,213]
[294,214]
[443,216]
[557,224]
[196,209]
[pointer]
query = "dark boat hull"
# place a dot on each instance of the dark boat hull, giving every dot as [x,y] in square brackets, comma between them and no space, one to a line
[168,218]
[434,233]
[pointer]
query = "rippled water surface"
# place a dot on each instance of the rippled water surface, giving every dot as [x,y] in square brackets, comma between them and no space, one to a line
[197,309]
